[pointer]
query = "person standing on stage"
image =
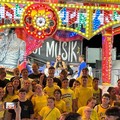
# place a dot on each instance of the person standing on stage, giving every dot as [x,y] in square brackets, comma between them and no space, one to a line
[82,64]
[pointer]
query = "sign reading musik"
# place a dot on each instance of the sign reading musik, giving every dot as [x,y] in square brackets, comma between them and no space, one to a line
[51,48]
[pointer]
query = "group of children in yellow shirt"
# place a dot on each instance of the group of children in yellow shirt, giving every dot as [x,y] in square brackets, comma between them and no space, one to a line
[51,102]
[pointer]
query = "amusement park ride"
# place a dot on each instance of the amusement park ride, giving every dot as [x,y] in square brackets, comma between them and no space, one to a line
[42,19]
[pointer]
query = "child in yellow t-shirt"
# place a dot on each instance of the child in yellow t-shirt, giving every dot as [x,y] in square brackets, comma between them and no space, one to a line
[39,100]
[49,112]
[101,108]
[87,113]
[50,88]
[90,103]
[59,103]
[97,92]
[113,96]
[76,83]
[83,93]
[68,96]
[85,72]
[9,93]
[16,84]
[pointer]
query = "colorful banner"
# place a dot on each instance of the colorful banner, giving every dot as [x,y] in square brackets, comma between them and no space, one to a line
[20,45]
[66,36]
[42,20]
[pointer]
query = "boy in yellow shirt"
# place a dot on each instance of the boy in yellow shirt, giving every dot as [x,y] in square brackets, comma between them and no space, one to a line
[83,93]
[85,73]
[50,88]
[101,108]
[68,96]
[97,92]
[49,112]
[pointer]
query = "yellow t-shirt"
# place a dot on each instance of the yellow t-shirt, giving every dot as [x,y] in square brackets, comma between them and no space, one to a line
[50,90]
[39,102]
[68,96]
[49,114]
[84,118]
[73,89]
[97,95]
[83,94]
[60,105]
[10,98]
[101,111]
[89,82]
[16,92]
[1,110]
[93,114]
[29,95]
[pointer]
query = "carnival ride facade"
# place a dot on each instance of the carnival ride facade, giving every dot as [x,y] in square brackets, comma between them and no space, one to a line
[87,18]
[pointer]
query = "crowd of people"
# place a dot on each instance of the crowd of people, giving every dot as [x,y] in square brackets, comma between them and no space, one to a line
[40,96]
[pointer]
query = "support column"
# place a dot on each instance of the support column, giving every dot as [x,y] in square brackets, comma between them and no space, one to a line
[107,44]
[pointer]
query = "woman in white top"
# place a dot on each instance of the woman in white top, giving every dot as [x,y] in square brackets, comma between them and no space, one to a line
[46,69]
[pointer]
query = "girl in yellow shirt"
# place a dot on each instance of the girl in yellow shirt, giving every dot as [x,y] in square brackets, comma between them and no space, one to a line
[113,96]
[59,103]
[9,93]
[68,96]
[39,100]
[76,83]
[16,84]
